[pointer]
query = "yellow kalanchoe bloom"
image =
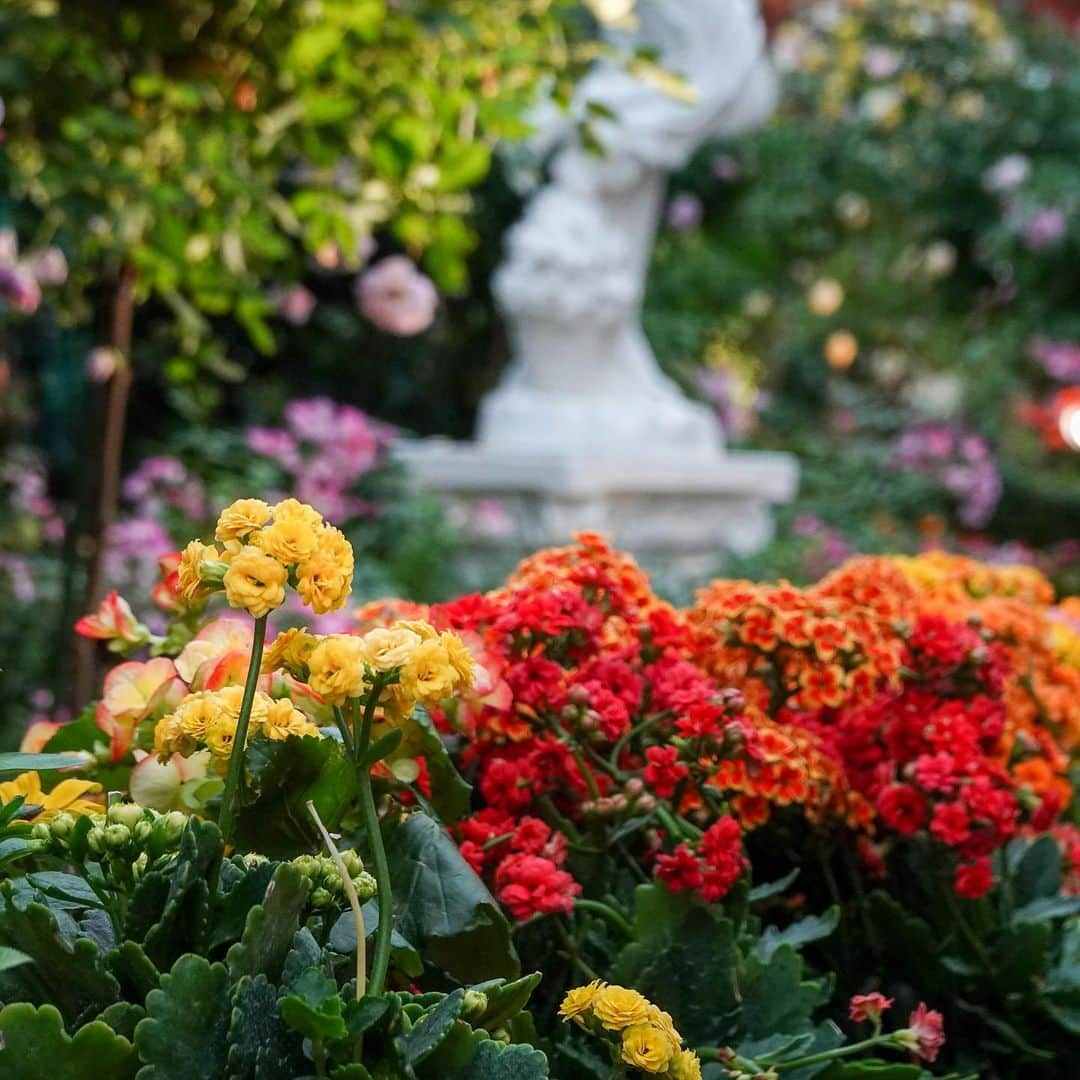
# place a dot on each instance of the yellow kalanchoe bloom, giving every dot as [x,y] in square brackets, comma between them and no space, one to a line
[241,518]
[616,1007]
[647,1048]
[255,581]
[643,1035]
[284,719]
[290,651]
[337,668]
[191,573]
[66,796]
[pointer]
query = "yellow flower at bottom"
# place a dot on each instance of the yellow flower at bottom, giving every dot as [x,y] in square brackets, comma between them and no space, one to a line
[685,1065]
[647,1048]
[617,1007]
[67,795]
[256,582]
[662,1020]
[579,1001]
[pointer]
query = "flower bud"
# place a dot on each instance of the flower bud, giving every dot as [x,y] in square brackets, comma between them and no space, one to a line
[142,830]
[138,867]
[634,787]
[365,886]
[619,802]
[320,898]
[331,880]
[61,825]
[95,840]
[308,865]
[42,832]
[474,1005]
[117,836]
[173,823]
[646,803]
[126,814]
[354,865]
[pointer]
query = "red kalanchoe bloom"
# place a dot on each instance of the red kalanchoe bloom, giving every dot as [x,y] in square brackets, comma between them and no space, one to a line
[950,824]
[902,808]
[664,770]
[868,1007]
[530,885]
[680,871]
[925,1034]
[973,880]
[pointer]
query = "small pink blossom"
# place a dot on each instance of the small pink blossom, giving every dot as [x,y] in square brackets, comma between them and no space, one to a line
[1044,228]
[19,289]
[684,212]
[396,297]
[295,304]
[1007,174]
[925,1034]
[868,1007]
[49,266]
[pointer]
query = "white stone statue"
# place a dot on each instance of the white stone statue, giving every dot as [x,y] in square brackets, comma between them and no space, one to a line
[583,378]
[585,431]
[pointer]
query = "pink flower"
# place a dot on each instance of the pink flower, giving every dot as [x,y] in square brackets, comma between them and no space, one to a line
[868,1007]
[274,443]
[1044,228]
[101,363]
[312,419]
[925,1034]
[1007,174]
[295,304]
[114,621]
[684,212]
[49,266]
[396,297]
[19,288]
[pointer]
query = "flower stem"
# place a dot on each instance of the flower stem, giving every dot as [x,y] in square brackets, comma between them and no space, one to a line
[381,959]
[598,907]
[234,781]
[829,1055]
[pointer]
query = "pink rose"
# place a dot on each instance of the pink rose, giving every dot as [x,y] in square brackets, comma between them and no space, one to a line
[396,297]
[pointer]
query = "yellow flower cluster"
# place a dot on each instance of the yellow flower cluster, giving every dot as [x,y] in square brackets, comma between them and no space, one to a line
[40,805]
[648,1038]
[209,719]
[265,549]
[431,666]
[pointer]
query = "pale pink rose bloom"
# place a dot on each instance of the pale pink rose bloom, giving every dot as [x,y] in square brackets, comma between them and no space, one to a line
[295,304]
[49,266]
[396,297]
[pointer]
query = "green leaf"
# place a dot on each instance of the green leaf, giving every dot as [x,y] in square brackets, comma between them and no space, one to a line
[185,909]
[261,1045]
[311,47]
[493,1061]
[11,958]
[134,970]
[505,999]
[1038,872]
[872,1069]
[774,996]
[123,1017]
[184,1034]
[34,1046]
[430,1030]
[68,887]
[685,960]
[283,777]
[270,926]
[442,907]
[812,928]
[67,973]
[1046,909]
[450,794]
[382,747]
[19,762]
[772,888]
[245,887]
[315,1007]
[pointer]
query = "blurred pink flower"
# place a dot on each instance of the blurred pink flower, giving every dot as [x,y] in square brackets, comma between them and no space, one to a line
[19,288]
[101,363]
[881,62]
[1059,359]
[1044,228]
[684,212]
[295,304]
[1007,174]
[396,297]
[49,266]
[276,444]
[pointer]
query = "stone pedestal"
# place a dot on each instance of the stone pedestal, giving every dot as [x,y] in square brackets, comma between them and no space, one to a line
[672,512]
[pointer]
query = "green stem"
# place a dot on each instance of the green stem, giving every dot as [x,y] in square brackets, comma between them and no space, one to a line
[839,1052]
[234,781]
[381,960]
[598,907]
[572,951]
[343,727]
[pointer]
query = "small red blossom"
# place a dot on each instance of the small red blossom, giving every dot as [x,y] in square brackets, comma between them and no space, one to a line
[868,1007]
[973,880]
[925,1032]
[902,808]
[531,885]
[680,871]
[664,771]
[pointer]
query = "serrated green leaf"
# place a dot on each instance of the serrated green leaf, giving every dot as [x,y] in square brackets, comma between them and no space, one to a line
[812,928]
[245,887]
[494,1061]
[315,1008]
[134,970]
[261,1045]
[270,926]
[184,1035]
[34,1046]
[123,1017]
[505,999]
[72,974]
[430,1030]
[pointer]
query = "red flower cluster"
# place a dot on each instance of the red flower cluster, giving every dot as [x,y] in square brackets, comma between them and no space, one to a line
[710,867]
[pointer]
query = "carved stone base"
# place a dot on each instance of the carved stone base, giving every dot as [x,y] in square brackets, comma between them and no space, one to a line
[667,511]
